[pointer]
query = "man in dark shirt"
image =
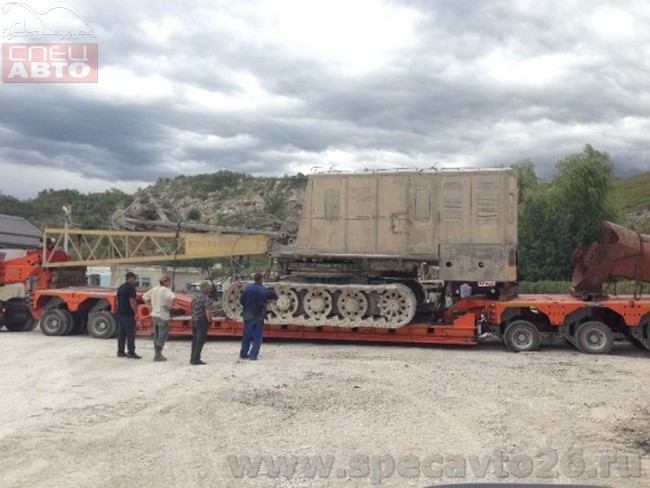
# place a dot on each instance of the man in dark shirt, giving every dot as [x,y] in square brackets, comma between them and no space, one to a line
[254,300]
[126,308]
[201,319]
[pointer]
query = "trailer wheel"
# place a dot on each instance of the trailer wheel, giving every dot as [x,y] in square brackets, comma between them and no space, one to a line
[636,343]
[71,324]
[16,314]
[642,339]
[644,329]
[56,321]
[102,325]
[80,322]
[15,327]
[635,336]
[569,341]
[521,335]
[594,337]
[31,323]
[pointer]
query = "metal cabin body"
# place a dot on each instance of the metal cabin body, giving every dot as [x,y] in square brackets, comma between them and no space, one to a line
[386,224]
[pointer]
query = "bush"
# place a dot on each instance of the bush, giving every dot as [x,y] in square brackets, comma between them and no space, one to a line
[193,214]
[563,287]
[541,287]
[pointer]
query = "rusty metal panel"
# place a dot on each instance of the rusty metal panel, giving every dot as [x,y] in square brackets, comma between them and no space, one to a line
[621,252]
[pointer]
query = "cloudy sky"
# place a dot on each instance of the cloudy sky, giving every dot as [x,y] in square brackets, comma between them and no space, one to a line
[275,87]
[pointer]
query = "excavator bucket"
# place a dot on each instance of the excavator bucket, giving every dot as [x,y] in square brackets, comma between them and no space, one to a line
[621,253]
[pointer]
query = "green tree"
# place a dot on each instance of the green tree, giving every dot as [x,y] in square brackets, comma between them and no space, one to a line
[48,205]
[526,175]
[275,204]
[583,182]
[12,206]
[90,211]
[542,236]
[94,210]
[555,216]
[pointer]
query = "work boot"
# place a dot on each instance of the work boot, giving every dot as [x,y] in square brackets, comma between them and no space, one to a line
[158,354]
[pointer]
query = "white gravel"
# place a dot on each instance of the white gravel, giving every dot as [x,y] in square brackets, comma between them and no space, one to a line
[72,414]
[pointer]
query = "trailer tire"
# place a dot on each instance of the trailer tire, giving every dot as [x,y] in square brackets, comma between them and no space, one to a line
[636,343]
[635,336]
[14,327]
[16,314]
[30,324]
[639,336]
[521,336]
[102,325]
[594,337]
[644,333]
[56,321]
[80,322]
[570,342]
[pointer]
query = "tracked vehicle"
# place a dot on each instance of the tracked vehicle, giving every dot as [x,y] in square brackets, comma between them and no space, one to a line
[362,238]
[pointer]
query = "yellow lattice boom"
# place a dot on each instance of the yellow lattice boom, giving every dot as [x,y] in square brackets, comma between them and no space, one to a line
[105,247]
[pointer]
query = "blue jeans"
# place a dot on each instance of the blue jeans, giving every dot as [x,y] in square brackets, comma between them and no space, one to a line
[252,333]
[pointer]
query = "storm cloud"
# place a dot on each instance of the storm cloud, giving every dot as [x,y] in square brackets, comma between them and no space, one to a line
[275,87]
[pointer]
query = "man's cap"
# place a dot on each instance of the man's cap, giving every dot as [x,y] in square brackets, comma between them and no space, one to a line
[130,274]
[205,285]
[164,278]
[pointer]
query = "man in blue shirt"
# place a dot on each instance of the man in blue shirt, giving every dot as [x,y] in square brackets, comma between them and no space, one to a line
[126,309]
[254,300]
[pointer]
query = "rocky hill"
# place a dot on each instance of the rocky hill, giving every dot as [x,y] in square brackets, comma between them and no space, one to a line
[227,198]
[631,196]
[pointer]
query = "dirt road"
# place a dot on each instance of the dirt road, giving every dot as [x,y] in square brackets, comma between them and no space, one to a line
[72,414]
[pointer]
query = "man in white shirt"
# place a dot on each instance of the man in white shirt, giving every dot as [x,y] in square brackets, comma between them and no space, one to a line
[161,299]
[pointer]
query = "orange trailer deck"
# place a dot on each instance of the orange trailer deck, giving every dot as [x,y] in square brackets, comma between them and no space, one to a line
[557,308]
[588,325]
[461,332]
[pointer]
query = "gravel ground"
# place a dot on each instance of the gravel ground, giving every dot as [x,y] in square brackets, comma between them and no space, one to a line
[72,414]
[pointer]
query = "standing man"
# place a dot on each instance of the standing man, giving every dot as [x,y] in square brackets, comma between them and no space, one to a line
[126,310]
[161,299]
[465,290]
[254,300]
[201,319]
